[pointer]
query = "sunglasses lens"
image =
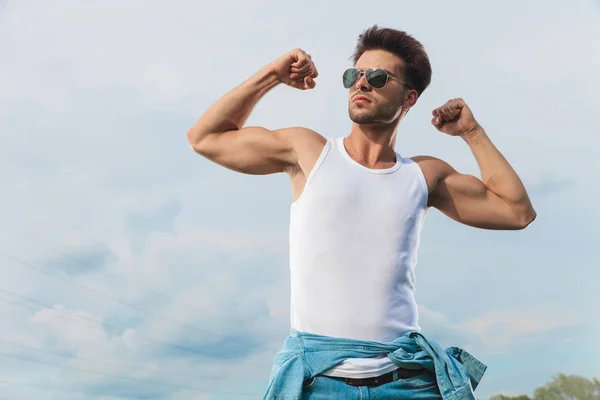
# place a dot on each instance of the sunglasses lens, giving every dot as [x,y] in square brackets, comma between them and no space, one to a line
[350,77]
[377,78]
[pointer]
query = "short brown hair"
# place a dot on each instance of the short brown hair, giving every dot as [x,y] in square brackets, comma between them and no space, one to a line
[417,71]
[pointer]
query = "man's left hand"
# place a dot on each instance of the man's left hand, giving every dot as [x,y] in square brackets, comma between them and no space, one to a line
[455,118]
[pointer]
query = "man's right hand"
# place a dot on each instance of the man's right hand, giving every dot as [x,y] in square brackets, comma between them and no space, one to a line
[296,69]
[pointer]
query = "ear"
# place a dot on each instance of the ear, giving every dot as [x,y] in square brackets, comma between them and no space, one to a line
[411,99]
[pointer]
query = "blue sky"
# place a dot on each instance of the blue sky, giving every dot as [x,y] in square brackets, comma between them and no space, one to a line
[132,268]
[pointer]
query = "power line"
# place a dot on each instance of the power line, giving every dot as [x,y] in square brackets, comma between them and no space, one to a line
[153,314]
[84,263]
[196,309]
[113,364]
[95,324]
[96,372]
[99,325]
[154,382]
[54,388]
[119,365]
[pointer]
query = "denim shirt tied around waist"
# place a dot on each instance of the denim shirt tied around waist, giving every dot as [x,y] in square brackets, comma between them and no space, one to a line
[305,355]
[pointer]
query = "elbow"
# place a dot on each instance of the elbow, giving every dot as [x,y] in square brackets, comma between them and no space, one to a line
[194,142]
[525,218]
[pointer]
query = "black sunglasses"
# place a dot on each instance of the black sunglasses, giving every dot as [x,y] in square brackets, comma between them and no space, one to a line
[376,77]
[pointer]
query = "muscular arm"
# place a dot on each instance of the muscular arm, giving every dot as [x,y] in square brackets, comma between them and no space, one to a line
[496,201]
[219,134]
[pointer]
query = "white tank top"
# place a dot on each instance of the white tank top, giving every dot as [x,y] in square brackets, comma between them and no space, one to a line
[354,236]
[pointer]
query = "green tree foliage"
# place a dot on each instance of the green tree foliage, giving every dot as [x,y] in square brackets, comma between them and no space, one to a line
[562,387]
[569,387]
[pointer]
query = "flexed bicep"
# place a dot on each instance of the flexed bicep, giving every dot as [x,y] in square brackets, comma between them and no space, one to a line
[466,199]
[252,150]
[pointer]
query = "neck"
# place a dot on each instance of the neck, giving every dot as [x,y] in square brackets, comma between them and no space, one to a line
[373,143]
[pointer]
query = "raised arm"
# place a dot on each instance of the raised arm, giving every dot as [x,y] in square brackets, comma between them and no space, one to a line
[219,134]
[496,201]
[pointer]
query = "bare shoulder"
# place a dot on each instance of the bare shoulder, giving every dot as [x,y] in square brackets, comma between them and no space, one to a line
[300,136]
[434,170]
[432,166]
[306,145]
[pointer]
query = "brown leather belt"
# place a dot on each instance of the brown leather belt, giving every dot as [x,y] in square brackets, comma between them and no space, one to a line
[400,373]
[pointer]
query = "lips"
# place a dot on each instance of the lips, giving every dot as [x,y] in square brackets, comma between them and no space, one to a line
[361,99]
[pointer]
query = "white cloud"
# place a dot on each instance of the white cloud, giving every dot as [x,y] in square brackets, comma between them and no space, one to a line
[501,328]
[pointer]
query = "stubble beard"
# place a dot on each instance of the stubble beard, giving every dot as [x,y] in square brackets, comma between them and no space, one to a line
[370,114]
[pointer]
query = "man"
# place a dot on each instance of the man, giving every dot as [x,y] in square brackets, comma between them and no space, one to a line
[357,211]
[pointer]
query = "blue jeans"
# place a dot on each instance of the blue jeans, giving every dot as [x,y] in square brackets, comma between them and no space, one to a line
[421,387]
[306,355]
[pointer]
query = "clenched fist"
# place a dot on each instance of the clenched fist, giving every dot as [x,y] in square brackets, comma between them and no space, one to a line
[296,69]
[454,118]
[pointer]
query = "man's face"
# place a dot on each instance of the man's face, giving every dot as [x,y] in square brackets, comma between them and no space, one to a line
[384,105]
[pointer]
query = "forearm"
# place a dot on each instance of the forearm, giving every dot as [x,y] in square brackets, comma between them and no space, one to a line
[496,173]
[231,111]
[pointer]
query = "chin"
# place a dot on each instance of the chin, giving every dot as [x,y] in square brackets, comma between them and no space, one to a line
[361,117]
[368,118]
[364,119]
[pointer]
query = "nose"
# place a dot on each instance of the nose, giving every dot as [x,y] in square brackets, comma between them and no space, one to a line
[362,84]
